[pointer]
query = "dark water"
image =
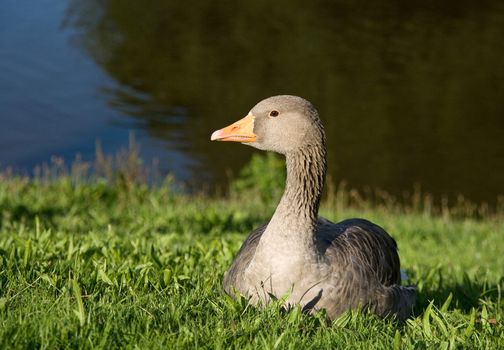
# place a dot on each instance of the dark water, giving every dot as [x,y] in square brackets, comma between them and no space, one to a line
[410,93]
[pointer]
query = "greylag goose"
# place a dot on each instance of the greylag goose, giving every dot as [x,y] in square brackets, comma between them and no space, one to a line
[297,255]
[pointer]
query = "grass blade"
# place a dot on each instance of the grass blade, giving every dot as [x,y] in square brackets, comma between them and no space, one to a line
[79,312]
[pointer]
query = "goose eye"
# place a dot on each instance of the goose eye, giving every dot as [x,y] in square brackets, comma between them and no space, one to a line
[274,113]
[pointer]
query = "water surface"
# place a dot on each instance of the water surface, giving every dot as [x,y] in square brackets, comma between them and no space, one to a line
[409,93]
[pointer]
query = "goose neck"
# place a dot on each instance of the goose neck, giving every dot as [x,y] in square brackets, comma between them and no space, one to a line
[306,170]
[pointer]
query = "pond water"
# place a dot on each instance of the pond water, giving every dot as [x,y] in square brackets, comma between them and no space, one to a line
[410,94]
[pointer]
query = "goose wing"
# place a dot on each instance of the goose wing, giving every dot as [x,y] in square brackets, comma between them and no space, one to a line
[242,259]
[366,244]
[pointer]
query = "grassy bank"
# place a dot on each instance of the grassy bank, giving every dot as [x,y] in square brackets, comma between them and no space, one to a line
[114,264]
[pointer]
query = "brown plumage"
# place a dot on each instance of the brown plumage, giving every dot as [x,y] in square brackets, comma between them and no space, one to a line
[314,262]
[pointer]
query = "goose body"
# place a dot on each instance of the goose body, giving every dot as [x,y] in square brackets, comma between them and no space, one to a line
[310,260]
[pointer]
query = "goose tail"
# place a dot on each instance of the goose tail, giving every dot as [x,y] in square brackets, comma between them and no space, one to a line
[397,301]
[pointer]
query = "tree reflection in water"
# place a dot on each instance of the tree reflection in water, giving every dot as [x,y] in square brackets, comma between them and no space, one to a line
[409,93]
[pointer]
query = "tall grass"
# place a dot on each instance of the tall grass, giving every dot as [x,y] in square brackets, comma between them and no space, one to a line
[107,261]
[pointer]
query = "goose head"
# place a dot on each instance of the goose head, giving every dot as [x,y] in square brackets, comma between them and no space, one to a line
[283,124]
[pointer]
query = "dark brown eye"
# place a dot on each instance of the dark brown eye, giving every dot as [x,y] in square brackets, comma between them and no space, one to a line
[274,113]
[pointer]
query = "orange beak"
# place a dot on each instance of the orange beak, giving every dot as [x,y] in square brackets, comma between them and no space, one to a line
[240,131]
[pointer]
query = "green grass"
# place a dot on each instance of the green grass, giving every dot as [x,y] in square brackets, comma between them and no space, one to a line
[114,264]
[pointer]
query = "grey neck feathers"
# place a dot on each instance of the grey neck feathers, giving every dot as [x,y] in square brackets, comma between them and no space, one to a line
[297,211]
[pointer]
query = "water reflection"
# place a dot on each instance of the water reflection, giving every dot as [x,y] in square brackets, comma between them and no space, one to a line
[409,93]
